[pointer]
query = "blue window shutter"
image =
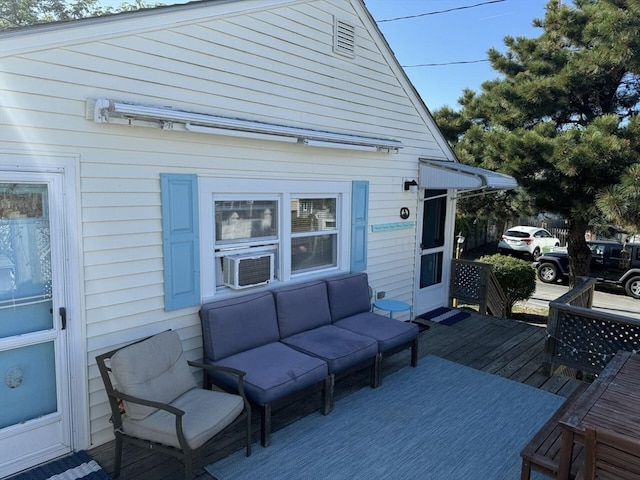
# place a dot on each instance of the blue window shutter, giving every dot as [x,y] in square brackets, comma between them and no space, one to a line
[359,221]
[180,239]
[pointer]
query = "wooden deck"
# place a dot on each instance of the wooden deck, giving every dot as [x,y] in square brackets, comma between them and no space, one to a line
[505,347]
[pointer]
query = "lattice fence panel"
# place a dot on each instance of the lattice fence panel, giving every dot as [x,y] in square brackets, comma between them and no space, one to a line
[589,343]
[467,281]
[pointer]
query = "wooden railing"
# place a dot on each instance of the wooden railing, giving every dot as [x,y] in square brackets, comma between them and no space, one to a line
[474,283]
[584,339]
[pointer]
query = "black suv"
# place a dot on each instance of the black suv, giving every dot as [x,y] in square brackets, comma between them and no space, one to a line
[611,262]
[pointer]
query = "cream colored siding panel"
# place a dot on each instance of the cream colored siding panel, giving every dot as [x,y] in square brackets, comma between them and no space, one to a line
[121,269]
[100,320]
[141,252]
[120,282]
[122,296]
[275,66]
[97,244]
[105,214]
[137,199]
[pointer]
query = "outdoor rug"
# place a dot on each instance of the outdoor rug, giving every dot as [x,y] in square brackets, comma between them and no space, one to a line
[445,315]
[439,421]
[78,466]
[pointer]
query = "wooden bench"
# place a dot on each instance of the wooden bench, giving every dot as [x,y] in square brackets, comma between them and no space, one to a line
[542,453]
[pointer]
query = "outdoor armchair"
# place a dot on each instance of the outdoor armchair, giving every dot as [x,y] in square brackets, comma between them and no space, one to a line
[155,402]
[610,455]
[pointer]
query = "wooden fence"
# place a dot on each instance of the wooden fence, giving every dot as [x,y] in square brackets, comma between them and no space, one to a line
[582,338]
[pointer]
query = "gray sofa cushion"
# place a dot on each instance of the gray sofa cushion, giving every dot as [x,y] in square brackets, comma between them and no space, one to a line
[302,307]
[340,348]
[154,369]
[388,332]
[206,413]
[238,324]
[273,371]
[348,295]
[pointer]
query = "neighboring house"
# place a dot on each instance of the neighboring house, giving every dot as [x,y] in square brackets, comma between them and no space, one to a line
[157,159]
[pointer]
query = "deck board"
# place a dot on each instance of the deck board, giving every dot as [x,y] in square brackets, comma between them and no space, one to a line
[504,347]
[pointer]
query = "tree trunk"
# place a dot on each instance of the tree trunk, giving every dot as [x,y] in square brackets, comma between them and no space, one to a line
[578,250]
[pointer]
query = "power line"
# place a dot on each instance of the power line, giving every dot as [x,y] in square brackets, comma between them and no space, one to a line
[439,12]
[463,62]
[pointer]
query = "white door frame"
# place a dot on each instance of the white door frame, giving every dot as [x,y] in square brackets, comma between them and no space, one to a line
[21,162]
[435,296]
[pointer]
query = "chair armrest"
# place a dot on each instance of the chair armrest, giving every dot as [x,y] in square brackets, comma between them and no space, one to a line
[219,368]
[178,413]
[149,403]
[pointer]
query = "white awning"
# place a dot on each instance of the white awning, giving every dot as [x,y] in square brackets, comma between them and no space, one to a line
[104,110]
[439,174]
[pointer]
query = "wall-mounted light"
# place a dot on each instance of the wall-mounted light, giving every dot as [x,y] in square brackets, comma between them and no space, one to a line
[410,185]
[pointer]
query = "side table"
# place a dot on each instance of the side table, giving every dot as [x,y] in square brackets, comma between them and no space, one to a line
[393,306]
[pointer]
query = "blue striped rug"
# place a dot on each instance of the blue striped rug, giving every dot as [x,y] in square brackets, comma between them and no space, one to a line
[78,466]
[445,315]
[439,421]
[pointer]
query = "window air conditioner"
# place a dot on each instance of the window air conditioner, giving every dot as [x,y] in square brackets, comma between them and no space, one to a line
[243,271]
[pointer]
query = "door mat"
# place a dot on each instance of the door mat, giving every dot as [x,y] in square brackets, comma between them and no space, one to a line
[444,316]
[78,466]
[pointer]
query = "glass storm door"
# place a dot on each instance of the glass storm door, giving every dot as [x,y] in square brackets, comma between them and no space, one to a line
[432,287]
[34,408]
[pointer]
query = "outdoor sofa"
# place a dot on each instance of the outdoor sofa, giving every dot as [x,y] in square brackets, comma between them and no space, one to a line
[295,337]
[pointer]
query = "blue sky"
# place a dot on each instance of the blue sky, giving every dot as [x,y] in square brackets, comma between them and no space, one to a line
[455,36]
[462,35]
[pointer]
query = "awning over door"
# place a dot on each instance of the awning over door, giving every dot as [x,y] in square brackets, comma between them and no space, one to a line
[439,174]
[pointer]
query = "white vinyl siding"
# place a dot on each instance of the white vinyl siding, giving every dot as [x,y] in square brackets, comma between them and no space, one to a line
[273,65]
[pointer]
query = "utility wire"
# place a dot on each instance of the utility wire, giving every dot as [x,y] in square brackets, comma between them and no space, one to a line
[439,12]
[436,13]
[462,62]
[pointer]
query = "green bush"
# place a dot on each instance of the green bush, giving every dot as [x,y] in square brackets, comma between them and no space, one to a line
[516,277]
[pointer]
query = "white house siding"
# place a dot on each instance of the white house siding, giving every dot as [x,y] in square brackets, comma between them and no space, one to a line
[273,63]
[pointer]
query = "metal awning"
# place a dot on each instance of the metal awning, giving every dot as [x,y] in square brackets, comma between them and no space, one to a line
[439,174]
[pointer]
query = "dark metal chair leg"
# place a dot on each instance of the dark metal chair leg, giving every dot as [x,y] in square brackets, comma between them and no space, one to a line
[376,372]
[265,425]
[414,353]
[248,431]
[188,466]
[117,462]
[327,395]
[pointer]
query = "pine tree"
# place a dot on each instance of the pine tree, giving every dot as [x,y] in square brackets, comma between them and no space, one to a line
[563,115]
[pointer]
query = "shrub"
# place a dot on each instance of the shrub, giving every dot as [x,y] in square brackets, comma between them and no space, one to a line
[516,277]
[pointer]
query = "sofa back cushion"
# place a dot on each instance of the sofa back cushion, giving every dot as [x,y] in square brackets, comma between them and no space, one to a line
[238,324]
[348,295]
[302,307]
[154,369]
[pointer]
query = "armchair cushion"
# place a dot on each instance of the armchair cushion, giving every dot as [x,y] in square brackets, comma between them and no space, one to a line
[302,307]
[206,413]
[389,333]
[273,371]
[237,324]
[348,295]
[154,369]
[340,348]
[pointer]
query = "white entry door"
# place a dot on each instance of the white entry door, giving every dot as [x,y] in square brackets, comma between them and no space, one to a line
[35,419]
[434,250]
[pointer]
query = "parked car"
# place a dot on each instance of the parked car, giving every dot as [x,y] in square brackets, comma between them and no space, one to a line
[611,262]
[527,241]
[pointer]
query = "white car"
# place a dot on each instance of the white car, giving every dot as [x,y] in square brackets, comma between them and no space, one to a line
[528,241]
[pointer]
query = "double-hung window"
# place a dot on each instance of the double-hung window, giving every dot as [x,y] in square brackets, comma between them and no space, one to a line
[293,229]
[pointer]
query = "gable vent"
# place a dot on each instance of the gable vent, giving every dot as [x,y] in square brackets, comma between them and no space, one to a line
[344,38]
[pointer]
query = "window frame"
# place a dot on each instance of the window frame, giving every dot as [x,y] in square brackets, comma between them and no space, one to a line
[211,189]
